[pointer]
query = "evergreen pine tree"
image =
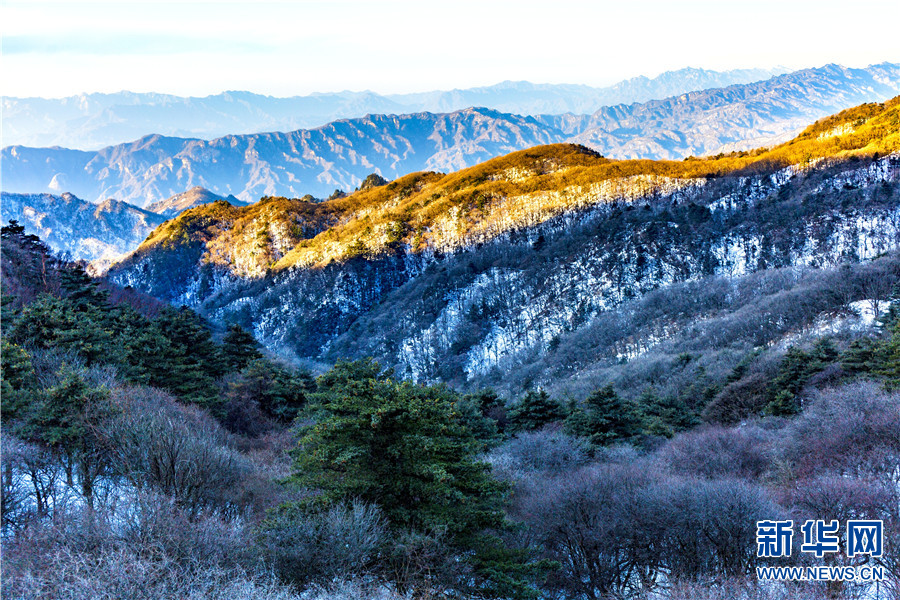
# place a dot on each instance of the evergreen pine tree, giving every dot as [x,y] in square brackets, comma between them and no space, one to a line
[78,287]
[18,382]
[535,410]
[51,322]
[886,358]
[195,359]
[794,372]
[239,348]
[280,393]
[482,412]
[404,448]
[605,419]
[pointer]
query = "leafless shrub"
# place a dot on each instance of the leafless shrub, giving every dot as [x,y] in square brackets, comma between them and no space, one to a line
[709,527]
[423,565]
[842,498]
[545,451]
[16,503]
[851,430]
[741,589]
[33,483]
[620,454]
[155,525]
[118,574]
[354,589]
[145,548]
[830,497]
[340,541]
[181,452]
[718,452]
[619,530]
[873,282]
[597,524]
[739,400]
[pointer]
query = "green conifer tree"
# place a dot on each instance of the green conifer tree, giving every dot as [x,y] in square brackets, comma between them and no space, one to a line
[51,322]
[605,418]
[18,383]
[281,393]
[239,348]
[794,372]
[535,410]
[406,449]
[195,361]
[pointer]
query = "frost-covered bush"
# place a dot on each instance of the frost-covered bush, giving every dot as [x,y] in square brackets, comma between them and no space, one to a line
[305,546]
[162,446]
[545,451]
[143,548]
[719,452]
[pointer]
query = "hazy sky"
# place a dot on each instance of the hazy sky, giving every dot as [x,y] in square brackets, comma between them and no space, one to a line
[297,47]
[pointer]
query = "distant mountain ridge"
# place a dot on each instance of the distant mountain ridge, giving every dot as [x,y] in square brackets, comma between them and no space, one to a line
[317,161]
[703,122]
[93,121]
[82,229]
[341,154]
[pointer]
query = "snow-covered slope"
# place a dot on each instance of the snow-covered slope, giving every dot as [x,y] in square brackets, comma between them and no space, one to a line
[83,230]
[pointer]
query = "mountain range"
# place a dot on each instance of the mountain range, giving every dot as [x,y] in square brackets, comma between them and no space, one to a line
[93,121]
[97,233]
[341,154]
[546,266]
[78,228]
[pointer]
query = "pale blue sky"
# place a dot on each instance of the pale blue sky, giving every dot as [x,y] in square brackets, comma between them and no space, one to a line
[298,47]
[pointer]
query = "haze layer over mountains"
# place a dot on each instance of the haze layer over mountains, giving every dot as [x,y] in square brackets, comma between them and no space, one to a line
[341,154]
[92,121]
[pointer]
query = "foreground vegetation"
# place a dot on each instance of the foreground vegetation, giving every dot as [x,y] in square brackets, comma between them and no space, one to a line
[148,455]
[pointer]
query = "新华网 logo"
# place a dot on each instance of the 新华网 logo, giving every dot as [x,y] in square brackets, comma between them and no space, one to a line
[861,538]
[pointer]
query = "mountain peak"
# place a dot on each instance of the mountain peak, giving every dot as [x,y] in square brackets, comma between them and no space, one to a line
[109,204]
[196,196]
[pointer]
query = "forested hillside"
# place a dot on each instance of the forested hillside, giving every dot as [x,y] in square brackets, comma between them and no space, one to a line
[527,265]
[147,455]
